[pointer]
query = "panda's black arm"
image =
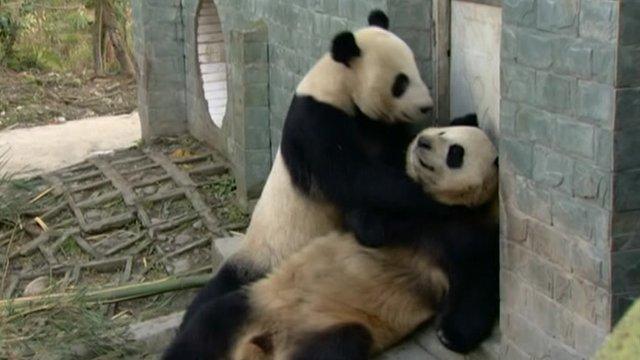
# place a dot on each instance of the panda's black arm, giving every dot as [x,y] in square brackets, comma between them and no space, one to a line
[374,228]
[320,148]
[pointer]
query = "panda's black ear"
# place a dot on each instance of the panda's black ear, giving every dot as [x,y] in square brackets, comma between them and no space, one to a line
[344,48]
[467,120]
[378,18]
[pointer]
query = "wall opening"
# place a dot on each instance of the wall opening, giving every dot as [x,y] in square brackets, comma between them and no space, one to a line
[212,61]
[475,62]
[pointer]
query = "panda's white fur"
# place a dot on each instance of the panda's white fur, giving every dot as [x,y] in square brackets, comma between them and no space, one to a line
[390,291]
[283,221]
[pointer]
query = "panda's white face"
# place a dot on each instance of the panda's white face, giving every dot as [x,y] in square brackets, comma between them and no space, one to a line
[387,84]
[456,165]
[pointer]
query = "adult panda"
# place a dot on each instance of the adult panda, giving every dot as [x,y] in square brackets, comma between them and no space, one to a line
[336,299]
[333,156]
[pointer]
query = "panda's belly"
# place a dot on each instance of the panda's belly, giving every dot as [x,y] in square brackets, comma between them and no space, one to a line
[284,220]
[335,281]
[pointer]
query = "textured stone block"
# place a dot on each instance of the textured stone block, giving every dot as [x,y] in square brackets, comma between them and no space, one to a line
[627,108]
[529,338]
[519,12]
[517,155]
[516,225]
[588,338]
[508,110]
[570,215]
[625,271]
[509,45]
[588,264]
[575,138]
[536,125]
[555,92]
[552,318]
[552,169]
[604,149]
[595,101]
[626,145]
[533,201]
[598,19]
[558,16]
[592,184]
[628,69]
[626,194]
[549,243]
[603,63]
[573,57]
[517,83]
[629,22]
[534,49]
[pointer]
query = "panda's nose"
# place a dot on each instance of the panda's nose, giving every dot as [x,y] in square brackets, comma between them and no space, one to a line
[424,143]
[425,109]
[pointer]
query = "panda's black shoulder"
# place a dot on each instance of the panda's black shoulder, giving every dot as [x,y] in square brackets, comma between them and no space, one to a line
[307,124]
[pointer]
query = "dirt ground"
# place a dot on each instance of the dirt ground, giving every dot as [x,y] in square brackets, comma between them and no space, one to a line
[36,98]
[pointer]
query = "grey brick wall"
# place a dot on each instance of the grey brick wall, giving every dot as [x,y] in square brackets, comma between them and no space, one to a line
[625,257]
[299,33]
[569,176]
[159,49]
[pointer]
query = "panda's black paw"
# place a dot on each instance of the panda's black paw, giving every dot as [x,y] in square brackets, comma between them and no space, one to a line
[368,231]
[454,341]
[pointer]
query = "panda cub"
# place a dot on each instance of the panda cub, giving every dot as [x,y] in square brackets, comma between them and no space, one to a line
[343,146]
[336,299]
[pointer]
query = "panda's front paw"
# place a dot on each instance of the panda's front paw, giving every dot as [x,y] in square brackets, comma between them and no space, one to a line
[454,341]
[368,232]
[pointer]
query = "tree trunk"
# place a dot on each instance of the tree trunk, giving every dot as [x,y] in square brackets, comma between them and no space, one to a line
[116,39]
[98,40]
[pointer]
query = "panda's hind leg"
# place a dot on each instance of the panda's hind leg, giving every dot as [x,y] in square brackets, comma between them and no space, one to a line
[213,330]
[341,342]
[231,277]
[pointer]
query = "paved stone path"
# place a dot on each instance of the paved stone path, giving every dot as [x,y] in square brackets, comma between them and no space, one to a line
[35,150]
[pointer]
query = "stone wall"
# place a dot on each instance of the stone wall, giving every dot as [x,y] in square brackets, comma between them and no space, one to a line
[159,49]
[568,181]
[625,258]
[299,32]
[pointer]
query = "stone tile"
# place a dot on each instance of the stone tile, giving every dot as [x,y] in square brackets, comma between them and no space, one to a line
[560,17]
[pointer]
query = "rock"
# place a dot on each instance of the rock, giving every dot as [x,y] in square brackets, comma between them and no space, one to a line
[155,334]
[182,239]
[93,214]
[228,245]
[197,225]
[36,286]
[150,190]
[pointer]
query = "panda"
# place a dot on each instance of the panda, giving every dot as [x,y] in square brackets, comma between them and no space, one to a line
[342,148]
[336,299]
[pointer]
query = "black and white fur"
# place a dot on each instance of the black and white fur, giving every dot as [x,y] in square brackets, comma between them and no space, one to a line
[336,299]
[334,157]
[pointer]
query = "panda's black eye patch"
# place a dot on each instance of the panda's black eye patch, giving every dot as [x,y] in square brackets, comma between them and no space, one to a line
[441,133]
[455,156]
[400,85]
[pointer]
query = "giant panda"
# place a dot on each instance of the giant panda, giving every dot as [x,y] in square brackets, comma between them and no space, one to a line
[334,156]
[336,299]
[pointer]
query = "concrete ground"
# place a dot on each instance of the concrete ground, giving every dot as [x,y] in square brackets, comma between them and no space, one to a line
[31,151]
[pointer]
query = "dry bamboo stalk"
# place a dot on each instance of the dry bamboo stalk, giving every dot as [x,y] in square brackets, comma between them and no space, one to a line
[130,291]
